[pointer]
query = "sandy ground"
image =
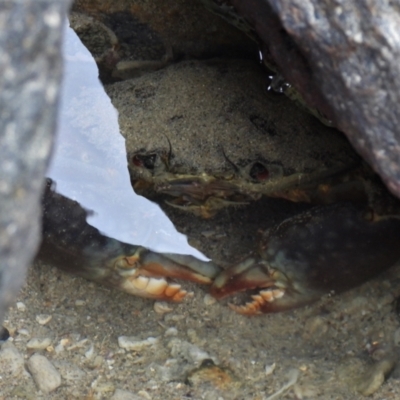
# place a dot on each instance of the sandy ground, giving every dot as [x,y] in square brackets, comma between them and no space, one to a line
[335,347]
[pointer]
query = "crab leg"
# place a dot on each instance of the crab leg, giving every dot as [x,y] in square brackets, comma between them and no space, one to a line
[70,243]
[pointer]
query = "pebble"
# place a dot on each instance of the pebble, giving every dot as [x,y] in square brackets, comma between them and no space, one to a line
[80,303]
[21,306]
[38,344]
[162,307]
[269,369]
[135,344]
[45,375]
[171,331]
[43,319]
[11,361]
[209,300]
[125,395]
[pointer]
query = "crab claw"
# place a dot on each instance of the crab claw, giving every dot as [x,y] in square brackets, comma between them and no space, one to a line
[148,274]
[327,249]
[270,290]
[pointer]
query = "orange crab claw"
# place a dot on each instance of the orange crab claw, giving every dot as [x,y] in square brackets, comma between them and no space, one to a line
[254,276]
[149,274]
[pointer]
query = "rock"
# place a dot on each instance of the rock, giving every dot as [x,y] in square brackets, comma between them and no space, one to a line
[46,377]
[43,319]
[134,344]
[131,37]
[11,361]
[38,344]
[343,59]
[29,97]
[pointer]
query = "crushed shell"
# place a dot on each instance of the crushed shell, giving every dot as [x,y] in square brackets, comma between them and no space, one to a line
[253,307]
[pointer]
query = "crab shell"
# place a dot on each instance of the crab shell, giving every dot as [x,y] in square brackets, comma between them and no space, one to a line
[329,249]
[199,136]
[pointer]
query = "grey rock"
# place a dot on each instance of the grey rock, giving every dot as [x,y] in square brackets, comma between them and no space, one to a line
[343,58]
[39,343]
[30,41]
[46,377]
[11,360]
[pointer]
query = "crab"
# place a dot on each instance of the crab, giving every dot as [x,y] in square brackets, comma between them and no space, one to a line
[204,150]
[196,135]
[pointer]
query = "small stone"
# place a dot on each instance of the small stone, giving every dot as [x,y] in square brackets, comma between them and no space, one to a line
[209,300]
[134,344]
[46,377]
[125,395]
[171,331]
[11,361]
[38,344]
[43,319]
[161,307]
[80,303]
[21,306]
[269,369]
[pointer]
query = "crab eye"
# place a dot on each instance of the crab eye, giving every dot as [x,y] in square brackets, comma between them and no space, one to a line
[146,161]
[260,173]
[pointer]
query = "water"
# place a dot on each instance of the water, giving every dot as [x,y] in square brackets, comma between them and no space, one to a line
[89,162]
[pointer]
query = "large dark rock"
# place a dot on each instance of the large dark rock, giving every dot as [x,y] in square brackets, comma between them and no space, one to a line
[343,58]
[30,64]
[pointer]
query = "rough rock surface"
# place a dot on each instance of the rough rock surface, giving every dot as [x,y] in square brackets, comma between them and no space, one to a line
[129,36]
[31,70]
[343,58]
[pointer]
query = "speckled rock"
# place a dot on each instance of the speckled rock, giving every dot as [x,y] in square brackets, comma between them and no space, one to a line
[46,377]
[11,361]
